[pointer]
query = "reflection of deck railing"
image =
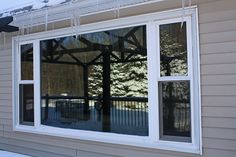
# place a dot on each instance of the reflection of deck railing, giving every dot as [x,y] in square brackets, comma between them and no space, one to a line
[124,111]
[127,114]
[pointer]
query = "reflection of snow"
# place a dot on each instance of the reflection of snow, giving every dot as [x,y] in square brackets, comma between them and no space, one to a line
[10,154]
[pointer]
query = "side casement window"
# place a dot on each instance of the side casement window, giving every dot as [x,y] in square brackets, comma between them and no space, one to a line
[175,80]
[136,84]
[26,84]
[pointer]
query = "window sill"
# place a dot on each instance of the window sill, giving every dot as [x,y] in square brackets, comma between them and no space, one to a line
[111,138]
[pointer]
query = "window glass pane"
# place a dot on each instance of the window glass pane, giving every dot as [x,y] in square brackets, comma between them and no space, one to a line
[26,104]
[173,49]
[97,81]
[174,100]
[27,62]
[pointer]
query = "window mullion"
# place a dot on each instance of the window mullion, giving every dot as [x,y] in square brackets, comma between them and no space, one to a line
[37,83]
[18,72]
[152,83]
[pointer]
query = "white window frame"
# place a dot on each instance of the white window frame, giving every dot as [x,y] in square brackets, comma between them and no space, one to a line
[188,77]
[152,140]
[23,82]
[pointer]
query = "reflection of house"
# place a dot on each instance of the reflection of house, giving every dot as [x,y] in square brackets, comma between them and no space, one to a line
[121,78]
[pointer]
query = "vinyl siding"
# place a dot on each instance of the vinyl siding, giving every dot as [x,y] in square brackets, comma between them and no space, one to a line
[217,23]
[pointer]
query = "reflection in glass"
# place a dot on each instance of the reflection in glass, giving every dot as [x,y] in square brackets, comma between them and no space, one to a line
[27,62]
[97,81]
[26,104]
[174,100]
[173,49]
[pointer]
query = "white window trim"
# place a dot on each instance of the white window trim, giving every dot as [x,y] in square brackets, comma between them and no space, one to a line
[151,141]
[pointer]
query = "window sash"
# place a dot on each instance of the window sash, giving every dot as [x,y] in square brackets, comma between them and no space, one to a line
[188,77]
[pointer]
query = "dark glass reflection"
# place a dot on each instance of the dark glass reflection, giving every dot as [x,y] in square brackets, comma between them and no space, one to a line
[27,62]
[96,81]
[174,100]
[26,104]
[173,49]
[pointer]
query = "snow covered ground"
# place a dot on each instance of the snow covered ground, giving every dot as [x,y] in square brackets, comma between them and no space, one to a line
[10,154]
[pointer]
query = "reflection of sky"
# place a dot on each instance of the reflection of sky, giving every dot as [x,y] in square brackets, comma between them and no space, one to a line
[109,37]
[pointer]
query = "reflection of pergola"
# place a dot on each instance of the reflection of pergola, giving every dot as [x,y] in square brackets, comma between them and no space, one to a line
[116,52]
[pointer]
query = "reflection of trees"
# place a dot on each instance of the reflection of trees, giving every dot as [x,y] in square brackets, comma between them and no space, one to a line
[127,79]
[175,94]
[128,68]
[95,80]
[173,51]
[176,106]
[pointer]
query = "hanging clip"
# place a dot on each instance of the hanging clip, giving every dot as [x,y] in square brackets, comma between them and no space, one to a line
[46,20]
[183,13]
[117,9]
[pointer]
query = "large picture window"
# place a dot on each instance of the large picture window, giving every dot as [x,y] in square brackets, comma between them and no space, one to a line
[96,81]
[134,82]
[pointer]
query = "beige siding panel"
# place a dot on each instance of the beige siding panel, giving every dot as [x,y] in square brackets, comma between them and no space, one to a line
[5,53]
[6,65]
[1,127]
[218,37]
[218,69]
[27,151]
[218,153]
[5,115]
[8,42]
[222,26]
[224,90]
[1,133]
[6,58]
[128,151]
[227,101]
[218,80]
[225,112]
[217,6]
[8,127]
[5,121]
[90,154]
[219,144]
[4,71]
[40,139]
[218,47]
[35,145]
[219,16]
[220,58]
[5,102]
[5,96]
[4,84]
[6,109]
[5,77]
[4,90]
[219,122]
[219,133]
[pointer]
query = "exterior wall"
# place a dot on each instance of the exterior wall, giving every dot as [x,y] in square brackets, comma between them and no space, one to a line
[217,23]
